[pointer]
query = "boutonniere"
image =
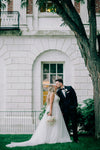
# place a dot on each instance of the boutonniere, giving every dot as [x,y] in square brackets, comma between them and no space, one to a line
[67,91]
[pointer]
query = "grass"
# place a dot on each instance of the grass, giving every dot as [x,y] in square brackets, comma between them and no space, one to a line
[86,143]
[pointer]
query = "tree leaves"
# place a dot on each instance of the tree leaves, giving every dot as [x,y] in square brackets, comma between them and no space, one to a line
[2,3]
[24,3]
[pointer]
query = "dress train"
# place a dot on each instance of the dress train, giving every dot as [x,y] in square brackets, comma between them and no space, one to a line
[46,133]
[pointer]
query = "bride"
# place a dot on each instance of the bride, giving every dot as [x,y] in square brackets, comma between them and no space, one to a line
[52,128]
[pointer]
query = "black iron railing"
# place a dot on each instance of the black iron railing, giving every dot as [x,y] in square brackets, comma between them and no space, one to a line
[9,20]
[18,122]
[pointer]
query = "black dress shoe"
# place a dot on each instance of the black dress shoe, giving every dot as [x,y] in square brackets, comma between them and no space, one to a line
[76,141]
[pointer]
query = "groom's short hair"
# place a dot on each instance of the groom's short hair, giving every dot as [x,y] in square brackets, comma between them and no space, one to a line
[59,80]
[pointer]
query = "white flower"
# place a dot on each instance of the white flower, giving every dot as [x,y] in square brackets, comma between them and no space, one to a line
[66,90]
[51,120]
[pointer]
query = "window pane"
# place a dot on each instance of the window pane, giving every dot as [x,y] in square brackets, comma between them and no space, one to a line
[59,76]
[43,9]
[44,99]
[52,68]
[45,92]
[45,68]
[49,7]
[59,68]
[46,79]
[52,78]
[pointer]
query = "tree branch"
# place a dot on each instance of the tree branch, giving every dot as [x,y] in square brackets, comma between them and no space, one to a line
[77,29]
[70,9]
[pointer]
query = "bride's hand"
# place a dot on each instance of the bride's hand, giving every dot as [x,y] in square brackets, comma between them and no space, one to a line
[49,114]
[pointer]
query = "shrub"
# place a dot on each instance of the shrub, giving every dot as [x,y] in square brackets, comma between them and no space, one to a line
[87,120]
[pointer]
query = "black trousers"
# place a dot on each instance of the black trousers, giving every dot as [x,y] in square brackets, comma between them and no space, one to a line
[71,115]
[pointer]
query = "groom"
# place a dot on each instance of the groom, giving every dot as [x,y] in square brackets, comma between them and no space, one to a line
[68,104]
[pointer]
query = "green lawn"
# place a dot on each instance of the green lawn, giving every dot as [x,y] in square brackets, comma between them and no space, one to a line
[86,143]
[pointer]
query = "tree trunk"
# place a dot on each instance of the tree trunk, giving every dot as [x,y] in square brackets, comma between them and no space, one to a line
[96,93]
[94,70]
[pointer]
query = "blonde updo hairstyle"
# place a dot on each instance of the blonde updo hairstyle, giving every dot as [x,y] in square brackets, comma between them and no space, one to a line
[50,91]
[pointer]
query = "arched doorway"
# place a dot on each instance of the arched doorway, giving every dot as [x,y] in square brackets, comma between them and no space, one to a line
[45,71]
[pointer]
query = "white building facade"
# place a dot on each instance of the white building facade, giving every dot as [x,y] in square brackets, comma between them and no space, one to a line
[31,61]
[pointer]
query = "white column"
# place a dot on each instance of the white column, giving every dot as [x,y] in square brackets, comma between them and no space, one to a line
[30,21]
[35,16]
[22,11]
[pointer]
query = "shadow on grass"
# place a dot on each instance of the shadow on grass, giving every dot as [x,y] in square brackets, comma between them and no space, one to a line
[86,143]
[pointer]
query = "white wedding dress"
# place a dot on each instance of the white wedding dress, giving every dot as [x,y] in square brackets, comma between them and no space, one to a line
[46,133]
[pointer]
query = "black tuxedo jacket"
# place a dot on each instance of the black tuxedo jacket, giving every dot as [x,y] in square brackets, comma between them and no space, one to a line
[68,102]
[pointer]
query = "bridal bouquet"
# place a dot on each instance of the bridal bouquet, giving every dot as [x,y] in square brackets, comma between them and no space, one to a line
[51,120]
